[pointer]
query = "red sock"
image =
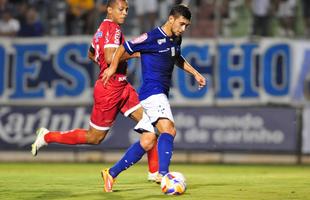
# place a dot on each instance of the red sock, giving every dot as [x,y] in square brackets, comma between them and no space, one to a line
[152,158]
[76,136]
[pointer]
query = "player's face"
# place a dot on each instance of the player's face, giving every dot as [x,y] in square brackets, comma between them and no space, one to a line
[119,11]
[179,25]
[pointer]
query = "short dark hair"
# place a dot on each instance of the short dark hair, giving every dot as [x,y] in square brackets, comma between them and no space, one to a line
[180,10]
[111,2]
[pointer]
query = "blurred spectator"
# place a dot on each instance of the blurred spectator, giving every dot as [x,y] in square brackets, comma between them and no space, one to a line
[101,6]
[306,15]
[261,12]
[287,15]
[185,2]
[56,15]
[146,12]
[222,17]
[164,7]
[9,26]
[21,10]
[80,17]
[203,24]
[32,26]
[211,18]
[4,5]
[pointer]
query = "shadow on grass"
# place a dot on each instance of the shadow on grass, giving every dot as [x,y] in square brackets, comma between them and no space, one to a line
[197,186]
[65,194]
[47,195]
[98,194]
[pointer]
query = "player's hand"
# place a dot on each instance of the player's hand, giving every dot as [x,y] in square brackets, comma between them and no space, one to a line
[201,81]
[110,71]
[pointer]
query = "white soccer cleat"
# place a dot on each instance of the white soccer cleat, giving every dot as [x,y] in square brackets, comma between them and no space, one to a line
[158,178]
[152,176]
[39,142]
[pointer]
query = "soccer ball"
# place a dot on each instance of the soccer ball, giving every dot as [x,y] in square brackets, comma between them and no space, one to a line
[178,175]
[173,183]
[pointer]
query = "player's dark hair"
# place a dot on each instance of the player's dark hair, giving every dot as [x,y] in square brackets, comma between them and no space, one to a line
[180,10]
[111,2]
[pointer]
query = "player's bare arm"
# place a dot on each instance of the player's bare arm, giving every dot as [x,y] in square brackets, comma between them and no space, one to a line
[109,54]
[118,54]
[183,64]
[126,56]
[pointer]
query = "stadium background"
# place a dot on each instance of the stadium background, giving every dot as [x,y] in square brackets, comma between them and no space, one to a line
[254,110]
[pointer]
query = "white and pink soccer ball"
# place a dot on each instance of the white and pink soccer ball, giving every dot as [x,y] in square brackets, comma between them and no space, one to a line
[173,183]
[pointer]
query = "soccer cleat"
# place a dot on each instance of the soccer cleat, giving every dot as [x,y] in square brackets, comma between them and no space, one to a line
[108,180]
[39,142]
[152,176]
[158,178]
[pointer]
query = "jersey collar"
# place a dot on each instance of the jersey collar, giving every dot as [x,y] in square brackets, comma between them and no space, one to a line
[162,31]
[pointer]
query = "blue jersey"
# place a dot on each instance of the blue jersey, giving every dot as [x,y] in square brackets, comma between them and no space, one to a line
[158,54]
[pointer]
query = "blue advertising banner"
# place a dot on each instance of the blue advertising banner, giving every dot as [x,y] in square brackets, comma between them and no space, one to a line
[52,71]
[241,129]
[213,129]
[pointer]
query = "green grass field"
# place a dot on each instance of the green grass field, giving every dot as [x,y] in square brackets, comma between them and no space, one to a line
[46,181]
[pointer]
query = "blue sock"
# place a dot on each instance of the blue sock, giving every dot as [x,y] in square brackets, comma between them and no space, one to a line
[133,155]
[165,149]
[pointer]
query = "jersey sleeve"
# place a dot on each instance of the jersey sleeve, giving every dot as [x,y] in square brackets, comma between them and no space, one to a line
[139,44]
[108,35]
[112,38]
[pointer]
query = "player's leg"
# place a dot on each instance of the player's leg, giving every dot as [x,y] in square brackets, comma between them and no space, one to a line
[152,153]
[165,145]
[44,137]
[158,110]
[130,107]
[102,118]
[76,136]
[133,154]
[94,135]
[71,137]
[152,160]
[133,109]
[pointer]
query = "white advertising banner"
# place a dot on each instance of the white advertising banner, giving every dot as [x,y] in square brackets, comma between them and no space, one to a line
[306,130]
[53,71]
[300,87]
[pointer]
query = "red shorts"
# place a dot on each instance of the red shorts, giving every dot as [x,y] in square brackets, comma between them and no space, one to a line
[109,100]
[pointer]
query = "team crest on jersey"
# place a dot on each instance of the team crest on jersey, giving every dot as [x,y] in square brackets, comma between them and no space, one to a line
[161,41]
[139,39]
[98,35]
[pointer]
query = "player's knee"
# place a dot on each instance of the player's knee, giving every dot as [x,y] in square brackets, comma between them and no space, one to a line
[95,138]
[147,142]
[166,126]
[172,131]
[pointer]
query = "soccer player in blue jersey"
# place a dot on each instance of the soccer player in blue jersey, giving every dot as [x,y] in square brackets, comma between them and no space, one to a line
[160,50]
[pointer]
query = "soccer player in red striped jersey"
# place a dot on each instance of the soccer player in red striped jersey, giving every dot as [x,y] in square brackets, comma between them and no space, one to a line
[116,96]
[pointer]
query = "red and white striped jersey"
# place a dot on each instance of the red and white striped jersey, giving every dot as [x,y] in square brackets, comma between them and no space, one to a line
[108,35]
